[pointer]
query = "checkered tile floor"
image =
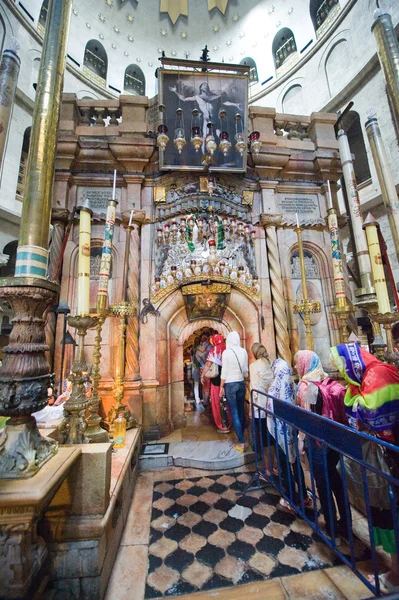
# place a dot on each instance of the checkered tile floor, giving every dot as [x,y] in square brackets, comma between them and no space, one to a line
[203,536]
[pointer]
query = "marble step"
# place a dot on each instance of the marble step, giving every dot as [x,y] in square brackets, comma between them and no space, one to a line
[212,456]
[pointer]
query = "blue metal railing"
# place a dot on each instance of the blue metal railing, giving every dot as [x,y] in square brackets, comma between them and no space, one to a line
[328,444]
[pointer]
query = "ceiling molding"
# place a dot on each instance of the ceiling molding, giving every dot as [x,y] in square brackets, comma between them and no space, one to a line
[174,8]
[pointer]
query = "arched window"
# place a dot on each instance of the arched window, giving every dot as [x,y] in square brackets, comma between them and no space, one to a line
[320,10]
[23,164]
[253,71]
[96,60]
[351,124]
[337,77]
[10,250]
[134,81]
[35,72]
[283,46]
[43,17]
[293,103]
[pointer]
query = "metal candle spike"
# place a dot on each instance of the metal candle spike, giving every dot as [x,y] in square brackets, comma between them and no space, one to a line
[306,307]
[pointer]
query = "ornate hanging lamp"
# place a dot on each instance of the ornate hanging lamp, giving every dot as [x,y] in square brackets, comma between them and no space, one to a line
[196,138]
[179,140]
[210,142]
[241,144]
[256,144]
[162,138]
[224,143]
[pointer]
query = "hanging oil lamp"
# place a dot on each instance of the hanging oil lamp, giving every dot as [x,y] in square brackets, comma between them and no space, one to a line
[159,236]
[241,144]
[253,234]
[210,143]
[256,144]
[224,143]
[162,138]
[211,187]
[246,230]
[213,258]
[179,140]
[196,139]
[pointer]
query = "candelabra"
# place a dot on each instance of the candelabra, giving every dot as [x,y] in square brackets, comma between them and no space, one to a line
[123,310]
[73,426]
[94,430]
[343,310]
[305,307]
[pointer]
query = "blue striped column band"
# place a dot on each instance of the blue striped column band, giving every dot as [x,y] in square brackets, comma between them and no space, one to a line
[31,262]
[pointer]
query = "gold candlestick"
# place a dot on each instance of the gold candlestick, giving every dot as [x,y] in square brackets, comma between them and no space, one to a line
[94,431]
[74,424]
[305,308]
[123,310]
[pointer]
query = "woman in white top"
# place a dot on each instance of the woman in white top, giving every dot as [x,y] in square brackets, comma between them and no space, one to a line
[261,376]
[232,384]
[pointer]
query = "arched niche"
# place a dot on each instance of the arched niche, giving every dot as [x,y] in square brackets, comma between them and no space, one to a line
[293,102]
[351,124]
[134,81]
[2,34]
[337,76]
[320,11]
[253,71]
[284,46]
[35,71]
[95,58]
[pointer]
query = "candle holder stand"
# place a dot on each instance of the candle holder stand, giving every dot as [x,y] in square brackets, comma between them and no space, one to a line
[342,311]
[94,431]
[74,425]
[123,310]
[305,308]
[387,320]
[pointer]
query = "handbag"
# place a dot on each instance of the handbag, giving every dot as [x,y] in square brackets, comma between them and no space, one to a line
[211,372]
[378,487]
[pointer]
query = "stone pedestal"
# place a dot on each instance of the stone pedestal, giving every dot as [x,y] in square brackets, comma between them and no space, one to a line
[23,552]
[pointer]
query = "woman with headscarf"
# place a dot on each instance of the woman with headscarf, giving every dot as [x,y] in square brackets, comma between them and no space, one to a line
[372,402]
[283,388]
[261,376]
[215,356]
[201,355]
[311,373]
[232,384]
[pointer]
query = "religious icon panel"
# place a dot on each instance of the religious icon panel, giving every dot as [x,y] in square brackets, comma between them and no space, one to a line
[205,117]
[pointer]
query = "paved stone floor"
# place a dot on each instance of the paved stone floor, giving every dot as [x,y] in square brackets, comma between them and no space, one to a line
[188,533]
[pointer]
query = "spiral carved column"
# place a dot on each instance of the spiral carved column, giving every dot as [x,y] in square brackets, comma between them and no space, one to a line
[277,287]
[133,290]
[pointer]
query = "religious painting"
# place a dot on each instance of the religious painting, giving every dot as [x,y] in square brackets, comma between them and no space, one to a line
[247,197]
[205,306]
[199,105]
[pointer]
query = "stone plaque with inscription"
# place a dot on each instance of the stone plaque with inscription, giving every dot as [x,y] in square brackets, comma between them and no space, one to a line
[306,206]
[98,197]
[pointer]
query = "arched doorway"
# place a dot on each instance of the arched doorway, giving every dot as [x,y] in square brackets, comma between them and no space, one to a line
[164,361]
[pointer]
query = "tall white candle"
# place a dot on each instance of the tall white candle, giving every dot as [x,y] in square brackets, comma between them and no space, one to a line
[114,186]
[131,218]
[297,220]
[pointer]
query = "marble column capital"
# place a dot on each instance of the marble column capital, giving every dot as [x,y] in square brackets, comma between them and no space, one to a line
[271,220]
[139,218]
[63,176]
[133,178]
[267,184]
[60,214]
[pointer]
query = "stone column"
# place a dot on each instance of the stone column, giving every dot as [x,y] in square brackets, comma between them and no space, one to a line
[388,54]
[59,219]
[270,221]
[385,178]
[9,70]
[366,291]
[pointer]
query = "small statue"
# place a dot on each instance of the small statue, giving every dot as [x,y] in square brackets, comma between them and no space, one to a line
[148,309]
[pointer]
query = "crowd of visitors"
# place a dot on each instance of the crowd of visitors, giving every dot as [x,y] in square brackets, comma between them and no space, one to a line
[369,403]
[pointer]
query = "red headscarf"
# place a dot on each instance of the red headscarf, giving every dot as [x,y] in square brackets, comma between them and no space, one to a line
[219,346]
